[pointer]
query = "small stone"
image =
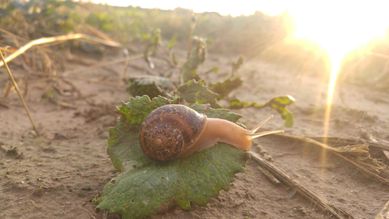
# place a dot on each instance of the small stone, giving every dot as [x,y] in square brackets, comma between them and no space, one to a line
[59,136]
[86,188]
[247,213]
[300,210]
[268,157]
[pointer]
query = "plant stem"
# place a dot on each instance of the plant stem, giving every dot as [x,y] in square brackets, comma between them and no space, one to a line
[57,39]
[12,79]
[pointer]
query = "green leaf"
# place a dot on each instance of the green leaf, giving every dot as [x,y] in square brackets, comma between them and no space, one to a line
[214,70]
[136,110]
[197,92]
[196,58]
[172,42]
[154,41]
[282,100]
[216,113]
[225,87]
[235,103]
[123,156]
[173,59]
[235,66]
[146,187]
[151,86]
[279,104]
[140,192]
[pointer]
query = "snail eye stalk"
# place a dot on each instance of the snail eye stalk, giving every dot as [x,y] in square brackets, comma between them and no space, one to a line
[261,124]
[260,134]
[255,134]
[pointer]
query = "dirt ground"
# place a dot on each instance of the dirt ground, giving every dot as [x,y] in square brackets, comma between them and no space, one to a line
[58,174]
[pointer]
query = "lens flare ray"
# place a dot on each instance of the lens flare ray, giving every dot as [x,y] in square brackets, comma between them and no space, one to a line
[338,27]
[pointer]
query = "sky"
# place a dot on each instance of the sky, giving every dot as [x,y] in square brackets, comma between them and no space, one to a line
[230,7]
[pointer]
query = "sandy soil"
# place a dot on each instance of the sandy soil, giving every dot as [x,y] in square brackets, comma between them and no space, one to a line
[58,174]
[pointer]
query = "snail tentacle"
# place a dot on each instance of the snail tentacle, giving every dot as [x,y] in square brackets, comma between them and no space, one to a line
[264,133]
[260,125]
[253,133]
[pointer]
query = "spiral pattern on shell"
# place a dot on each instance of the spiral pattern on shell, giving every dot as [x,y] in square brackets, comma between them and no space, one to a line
[170,130]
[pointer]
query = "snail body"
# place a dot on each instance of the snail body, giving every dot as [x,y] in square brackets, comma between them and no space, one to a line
[174,131]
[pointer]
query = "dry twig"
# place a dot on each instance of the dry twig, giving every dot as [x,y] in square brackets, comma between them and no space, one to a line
[57,39]
[380,144]
[337,152]
[46,41]
[310,195]
[269,175]
[12,79]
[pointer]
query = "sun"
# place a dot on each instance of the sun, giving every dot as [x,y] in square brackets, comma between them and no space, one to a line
[338,27]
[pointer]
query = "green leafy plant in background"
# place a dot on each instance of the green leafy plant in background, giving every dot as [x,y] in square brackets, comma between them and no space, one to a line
[153,42]
[145,187]
[103,21]
[225,87]
[277,103]
[152,85]
[196,57]
[37,18]
[197,92]
[235,66]
[194,90]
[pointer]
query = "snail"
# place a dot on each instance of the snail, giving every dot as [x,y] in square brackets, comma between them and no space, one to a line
[174,131]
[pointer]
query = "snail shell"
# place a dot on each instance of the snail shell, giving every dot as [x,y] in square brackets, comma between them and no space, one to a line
[170,131]
[175,131]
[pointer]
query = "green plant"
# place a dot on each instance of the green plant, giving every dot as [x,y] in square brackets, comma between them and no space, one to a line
[194,90]
[144,186]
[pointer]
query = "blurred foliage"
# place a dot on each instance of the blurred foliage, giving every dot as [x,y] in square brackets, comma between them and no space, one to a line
[277,103]
[32,19]
[235,66]
[37,18]
[225,87]
[102,21]
[153,42]
[257,35]
[192,89]
[196,57]
[231,83]
[152,86]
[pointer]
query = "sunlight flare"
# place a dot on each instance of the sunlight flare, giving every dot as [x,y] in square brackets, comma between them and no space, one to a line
[338,27]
